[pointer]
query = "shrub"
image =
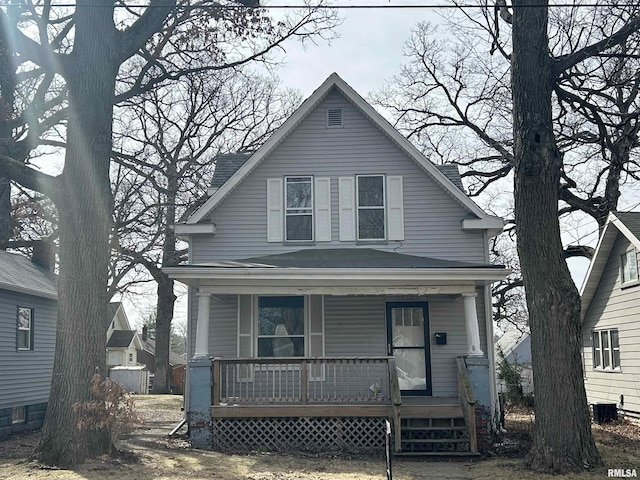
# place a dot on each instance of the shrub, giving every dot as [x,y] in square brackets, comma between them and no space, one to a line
[110,415]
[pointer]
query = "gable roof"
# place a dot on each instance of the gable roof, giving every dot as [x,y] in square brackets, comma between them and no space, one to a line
[121,338]
[20,274]
[510,340]
[334,81]
[625,223]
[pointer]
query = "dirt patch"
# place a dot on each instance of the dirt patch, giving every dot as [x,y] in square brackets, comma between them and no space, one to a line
[151,455]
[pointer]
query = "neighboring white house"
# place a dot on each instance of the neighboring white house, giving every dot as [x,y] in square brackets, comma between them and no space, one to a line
[611,316]
[123,345]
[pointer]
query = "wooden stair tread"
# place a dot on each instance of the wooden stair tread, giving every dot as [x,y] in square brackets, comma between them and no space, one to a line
[435,440]
[440,429]
[438,454]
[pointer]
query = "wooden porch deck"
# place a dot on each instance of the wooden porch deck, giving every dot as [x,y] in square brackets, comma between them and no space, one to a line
[275,401]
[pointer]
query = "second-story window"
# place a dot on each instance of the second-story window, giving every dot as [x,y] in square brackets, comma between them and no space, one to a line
[25,328]
[629,267]
[371,207]
[299,208]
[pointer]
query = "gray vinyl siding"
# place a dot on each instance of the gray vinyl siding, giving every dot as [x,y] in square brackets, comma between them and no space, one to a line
[25,375]
[356,326]
[614,307]
[431,216]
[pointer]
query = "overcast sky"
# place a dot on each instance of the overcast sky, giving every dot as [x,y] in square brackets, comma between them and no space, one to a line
[367,52]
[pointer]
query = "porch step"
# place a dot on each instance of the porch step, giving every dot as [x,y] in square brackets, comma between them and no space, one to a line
[439,436]
[439,454]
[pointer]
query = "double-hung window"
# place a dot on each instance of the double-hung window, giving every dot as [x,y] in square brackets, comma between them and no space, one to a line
[281,323]
[370,197]
[606,349]
[629,267]
[25,328]
[299,208]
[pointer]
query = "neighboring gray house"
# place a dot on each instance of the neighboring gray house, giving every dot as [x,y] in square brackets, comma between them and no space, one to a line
[611,316]
[515,345]
[338,279]
[28,307]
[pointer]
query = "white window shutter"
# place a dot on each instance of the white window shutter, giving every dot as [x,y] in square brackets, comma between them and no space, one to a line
[395,208]
[346,205]
[245,334]
[274,210]
[323,209]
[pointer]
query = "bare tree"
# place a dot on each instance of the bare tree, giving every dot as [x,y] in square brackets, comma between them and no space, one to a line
[86,47]
[169,145]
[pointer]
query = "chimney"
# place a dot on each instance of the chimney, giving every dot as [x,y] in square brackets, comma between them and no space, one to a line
[144,333]
[44,254]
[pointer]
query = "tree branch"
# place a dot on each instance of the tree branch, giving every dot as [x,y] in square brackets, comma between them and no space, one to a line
[29,178]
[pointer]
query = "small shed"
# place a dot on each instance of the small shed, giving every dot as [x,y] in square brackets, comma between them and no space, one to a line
[134,378]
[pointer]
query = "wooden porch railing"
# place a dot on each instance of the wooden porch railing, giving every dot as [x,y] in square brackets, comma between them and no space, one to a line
[302,381]
[467,402]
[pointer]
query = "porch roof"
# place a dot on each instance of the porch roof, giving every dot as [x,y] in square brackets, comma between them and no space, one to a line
[338,271]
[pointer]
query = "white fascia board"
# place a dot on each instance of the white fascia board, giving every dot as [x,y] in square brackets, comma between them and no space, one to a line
[306,107]
[493,225]
[625,231]
[196,229]
[339,275]
[28,291]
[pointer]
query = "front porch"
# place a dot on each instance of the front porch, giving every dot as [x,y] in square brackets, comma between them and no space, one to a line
[334,403]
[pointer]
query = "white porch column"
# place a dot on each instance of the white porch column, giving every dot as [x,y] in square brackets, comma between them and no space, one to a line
[471,322]
[202,327]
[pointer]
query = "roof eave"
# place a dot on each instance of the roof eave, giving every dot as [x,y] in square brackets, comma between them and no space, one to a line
[28,291]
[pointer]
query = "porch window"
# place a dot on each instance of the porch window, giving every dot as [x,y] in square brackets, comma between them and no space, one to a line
[629,267]
[281,327]
[299,208]
[371,207]
[606,349]
[25,328]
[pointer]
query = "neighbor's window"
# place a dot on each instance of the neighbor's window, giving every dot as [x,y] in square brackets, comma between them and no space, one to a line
[299,208]
[281,326]
[629,267]
[18,415]
[606,349]
[25,328]
[371,222]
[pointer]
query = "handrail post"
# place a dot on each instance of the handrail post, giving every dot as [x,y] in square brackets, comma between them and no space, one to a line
[304,382]
[217,379]
[467,403]
[396,401]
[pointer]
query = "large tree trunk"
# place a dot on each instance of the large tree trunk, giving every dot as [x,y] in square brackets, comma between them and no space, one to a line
[7,93]
[563,439]
[166,297]
[84,206]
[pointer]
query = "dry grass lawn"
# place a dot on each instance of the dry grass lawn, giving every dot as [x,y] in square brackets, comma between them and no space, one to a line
[151,456]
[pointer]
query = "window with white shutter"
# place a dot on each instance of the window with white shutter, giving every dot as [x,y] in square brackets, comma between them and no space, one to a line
[298,219]
[370,197]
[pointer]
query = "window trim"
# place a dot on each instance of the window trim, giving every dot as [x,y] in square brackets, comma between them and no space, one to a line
[310,209]
[598,352]
[305,319]
[629,255]
[19,329]
[369,207]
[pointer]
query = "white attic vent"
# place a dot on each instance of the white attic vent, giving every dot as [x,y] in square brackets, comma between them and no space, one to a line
[334,117]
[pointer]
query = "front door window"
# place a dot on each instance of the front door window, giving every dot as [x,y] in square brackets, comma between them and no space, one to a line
[408,342]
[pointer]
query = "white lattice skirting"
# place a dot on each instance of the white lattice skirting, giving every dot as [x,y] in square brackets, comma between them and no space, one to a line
[311,434]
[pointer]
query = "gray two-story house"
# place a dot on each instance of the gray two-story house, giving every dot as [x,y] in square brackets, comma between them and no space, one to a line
[28,308]
[338,279]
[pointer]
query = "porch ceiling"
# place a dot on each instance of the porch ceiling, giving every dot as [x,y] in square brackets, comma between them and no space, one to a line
[338,272]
